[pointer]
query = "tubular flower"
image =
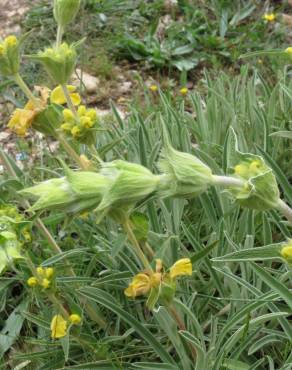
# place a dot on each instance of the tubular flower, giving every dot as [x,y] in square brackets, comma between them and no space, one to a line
[163,284]
[180,268]
[269,17]
[22,119]
[58,96]
[289,50]
[140,285]
[58,327]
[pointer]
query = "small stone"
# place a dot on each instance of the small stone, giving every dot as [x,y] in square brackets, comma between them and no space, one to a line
[89,82]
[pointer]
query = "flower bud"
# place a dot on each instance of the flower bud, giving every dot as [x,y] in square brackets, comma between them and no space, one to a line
[186,176]
[76,192]
[32,281]
[59,62]
[9,56]
[260,190]
[130,183]
[75,319]
[65,11]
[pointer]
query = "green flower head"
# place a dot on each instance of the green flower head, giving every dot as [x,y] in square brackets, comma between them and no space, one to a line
[58,62]
[9,56]
[260,190]
[65,11]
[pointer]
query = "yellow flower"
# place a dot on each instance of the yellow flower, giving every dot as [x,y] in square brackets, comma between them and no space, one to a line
[181,267]
[86,122]
[91,113]
[49,272]
[269,17]
[241,170]
[184,90]
[153,88]
[81,110]
[22,119]
[58,327]
[75,319]
[286,251]
[289,50]
[32,281]
[58,96]
[66,126]
[45,283]
[140,285]
[40,271]
[75,131]
[68,115]
[10,41]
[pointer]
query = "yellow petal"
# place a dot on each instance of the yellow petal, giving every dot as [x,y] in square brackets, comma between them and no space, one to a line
[76,99]
[57,96]
[140,285]
[181,267]
[58,327]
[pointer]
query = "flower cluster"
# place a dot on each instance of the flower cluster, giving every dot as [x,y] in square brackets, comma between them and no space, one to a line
[22,119]
[144,282]
[42,278]
[79,126]
[59,325]
[59,62]
[9,56]
[13,233]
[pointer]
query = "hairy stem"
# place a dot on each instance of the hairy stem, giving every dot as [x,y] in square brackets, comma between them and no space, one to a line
[69,100]
[285,210]
[227,181]
[136,245]
[18,79]
[60,32]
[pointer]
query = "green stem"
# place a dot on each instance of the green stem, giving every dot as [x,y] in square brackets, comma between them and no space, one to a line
[60,32]
[227,181]
[72,153]
[285,210]
[69,101]
[18,79]
[135,243]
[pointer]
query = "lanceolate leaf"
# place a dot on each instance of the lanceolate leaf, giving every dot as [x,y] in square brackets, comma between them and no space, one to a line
[108,301]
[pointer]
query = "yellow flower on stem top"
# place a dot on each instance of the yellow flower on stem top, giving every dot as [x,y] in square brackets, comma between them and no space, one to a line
[181,267]
[9,56]
[58,327]
[269,17]
[58,96]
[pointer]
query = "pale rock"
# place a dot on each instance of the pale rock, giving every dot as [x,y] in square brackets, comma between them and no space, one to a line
[89,82]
